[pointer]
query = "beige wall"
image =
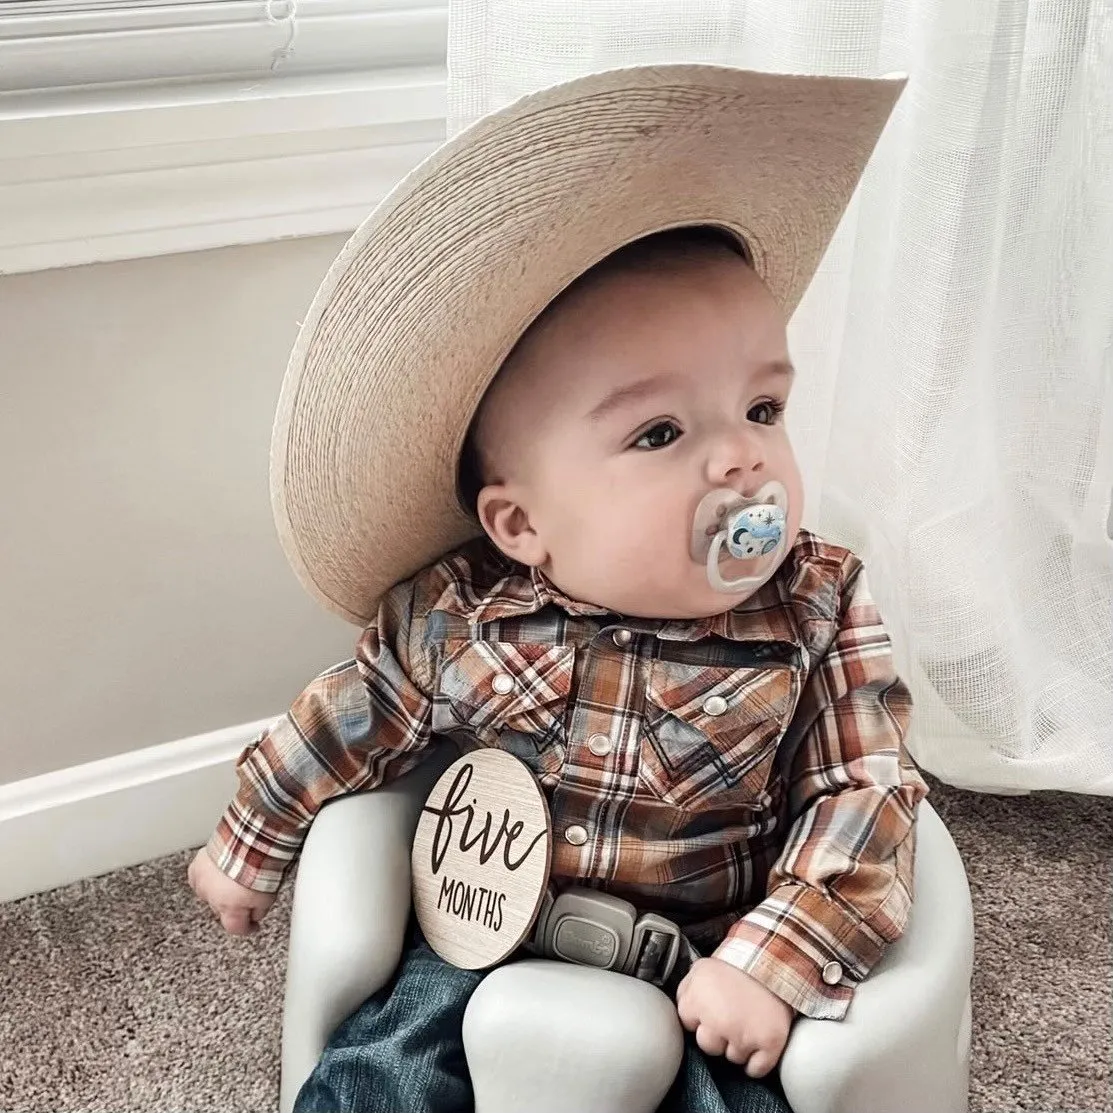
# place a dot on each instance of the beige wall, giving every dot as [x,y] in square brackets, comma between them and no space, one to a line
[143,593]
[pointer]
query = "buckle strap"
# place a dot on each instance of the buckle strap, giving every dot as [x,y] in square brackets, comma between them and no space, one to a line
[591,928]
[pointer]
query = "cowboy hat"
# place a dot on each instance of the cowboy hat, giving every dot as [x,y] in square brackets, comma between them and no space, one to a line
[434,289]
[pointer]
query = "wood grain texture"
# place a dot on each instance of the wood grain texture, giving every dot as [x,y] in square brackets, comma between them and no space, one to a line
[481,859]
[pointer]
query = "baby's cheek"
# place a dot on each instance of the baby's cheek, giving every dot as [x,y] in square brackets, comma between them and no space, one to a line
[616,528]
[589,549]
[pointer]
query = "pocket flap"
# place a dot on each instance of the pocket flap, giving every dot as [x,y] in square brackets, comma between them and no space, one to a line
[709,697]
[522,687]
[711,733]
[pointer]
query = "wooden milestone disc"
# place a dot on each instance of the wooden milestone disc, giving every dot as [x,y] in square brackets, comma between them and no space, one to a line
[481,859]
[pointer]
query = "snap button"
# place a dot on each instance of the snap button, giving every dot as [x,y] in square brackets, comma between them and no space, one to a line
[622,638]
[576,835]
[599,745]
[503,684]
[832,973]
[714,705]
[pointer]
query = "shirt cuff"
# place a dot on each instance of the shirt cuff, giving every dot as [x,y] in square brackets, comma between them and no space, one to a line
[250,851]
[804,948]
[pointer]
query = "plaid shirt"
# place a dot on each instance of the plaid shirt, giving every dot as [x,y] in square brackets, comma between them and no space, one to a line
[744,775]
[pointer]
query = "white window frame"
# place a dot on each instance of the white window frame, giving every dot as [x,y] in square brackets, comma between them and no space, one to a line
[138,128]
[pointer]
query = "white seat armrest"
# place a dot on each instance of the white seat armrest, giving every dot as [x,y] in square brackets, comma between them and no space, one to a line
[352,899]
[904,1043]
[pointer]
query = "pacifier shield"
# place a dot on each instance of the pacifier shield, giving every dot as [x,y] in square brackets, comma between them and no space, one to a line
[755,530]
[729,526]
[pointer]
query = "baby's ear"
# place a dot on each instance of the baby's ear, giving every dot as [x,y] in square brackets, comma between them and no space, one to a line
[506,523]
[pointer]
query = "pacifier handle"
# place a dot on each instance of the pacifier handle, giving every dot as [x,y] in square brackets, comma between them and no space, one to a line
[725,536]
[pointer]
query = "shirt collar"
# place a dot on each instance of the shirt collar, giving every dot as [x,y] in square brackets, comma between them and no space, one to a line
[764,616]
[523,591]
[517,591]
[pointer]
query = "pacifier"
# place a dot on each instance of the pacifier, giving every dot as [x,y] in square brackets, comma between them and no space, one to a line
[728,524]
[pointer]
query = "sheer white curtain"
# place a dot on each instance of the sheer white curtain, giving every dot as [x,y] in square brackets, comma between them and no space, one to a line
[954,409]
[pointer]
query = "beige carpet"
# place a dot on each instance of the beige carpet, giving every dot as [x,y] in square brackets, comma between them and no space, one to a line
[118,994]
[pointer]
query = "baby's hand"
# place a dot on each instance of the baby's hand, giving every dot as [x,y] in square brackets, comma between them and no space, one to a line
[734,1014]
[237,907]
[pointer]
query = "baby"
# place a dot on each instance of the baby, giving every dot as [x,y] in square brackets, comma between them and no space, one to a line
[720,740]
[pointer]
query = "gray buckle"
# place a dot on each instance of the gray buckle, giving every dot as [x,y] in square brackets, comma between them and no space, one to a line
[596,929]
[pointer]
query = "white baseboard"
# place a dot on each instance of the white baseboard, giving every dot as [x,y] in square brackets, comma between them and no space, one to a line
[102,816]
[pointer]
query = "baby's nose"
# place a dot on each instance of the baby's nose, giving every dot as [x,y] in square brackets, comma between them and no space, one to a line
[738,457]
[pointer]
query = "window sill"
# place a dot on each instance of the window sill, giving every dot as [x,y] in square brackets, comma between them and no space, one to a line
[90,173]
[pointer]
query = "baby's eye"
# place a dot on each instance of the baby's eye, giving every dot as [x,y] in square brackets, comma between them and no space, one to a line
[767,412]
[660,435]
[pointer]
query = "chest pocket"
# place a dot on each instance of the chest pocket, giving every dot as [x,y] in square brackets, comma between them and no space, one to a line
[710,735]
[506,695]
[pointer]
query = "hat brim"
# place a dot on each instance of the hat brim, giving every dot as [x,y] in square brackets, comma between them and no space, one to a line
[432,291]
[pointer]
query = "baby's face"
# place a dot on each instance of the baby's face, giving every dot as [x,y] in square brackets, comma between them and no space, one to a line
[645,390]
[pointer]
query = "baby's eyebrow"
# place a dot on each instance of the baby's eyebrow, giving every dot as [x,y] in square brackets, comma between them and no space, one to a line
[631,392]
[778,367]
[641,389]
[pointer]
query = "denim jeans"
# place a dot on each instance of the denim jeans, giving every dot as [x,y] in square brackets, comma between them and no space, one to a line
[402,1051]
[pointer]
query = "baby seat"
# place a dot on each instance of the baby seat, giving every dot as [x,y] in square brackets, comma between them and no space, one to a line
[549,1037]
